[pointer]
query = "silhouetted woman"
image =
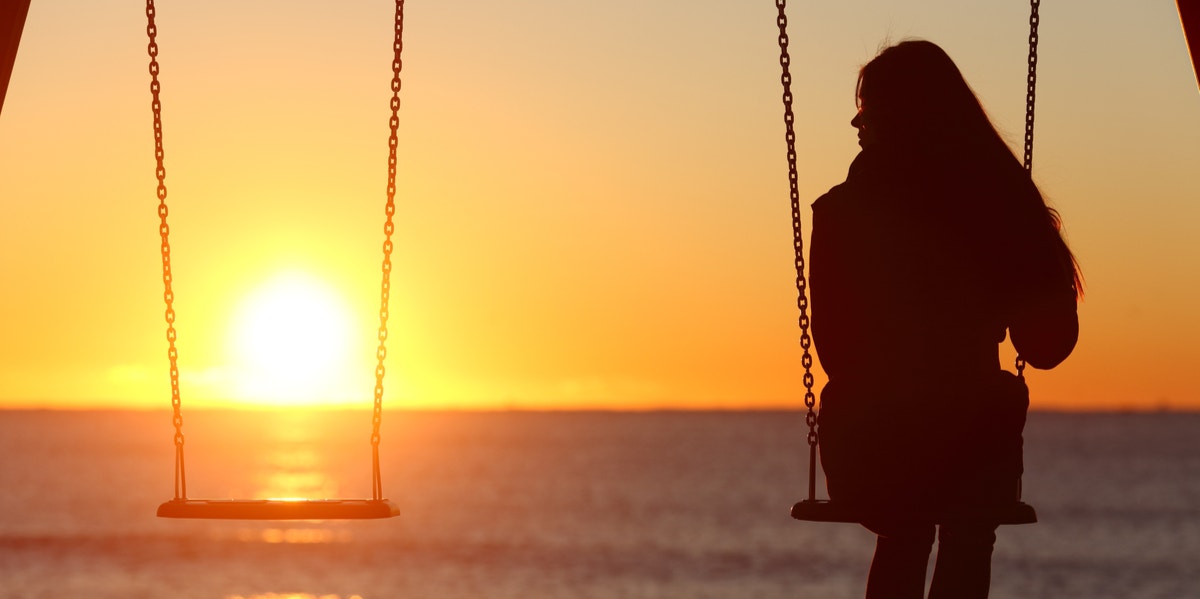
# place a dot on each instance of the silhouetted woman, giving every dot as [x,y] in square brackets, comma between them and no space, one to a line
[937,244]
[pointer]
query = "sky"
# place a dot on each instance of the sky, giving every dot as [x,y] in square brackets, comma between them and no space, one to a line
[592,206]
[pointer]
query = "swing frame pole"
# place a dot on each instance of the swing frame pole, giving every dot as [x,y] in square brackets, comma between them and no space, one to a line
[1189,20]
[12,23]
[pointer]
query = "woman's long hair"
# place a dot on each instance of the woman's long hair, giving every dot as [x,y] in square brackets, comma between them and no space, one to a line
[920,103]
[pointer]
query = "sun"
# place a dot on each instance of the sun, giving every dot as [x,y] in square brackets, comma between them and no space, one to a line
[293,338]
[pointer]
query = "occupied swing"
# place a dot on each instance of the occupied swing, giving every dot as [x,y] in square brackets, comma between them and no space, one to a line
[270,509]
[818,510]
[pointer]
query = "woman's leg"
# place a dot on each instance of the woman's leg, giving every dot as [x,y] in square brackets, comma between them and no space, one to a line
[964,562]
[901,556]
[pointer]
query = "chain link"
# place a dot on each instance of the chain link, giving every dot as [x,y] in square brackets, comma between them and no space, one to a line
[810,400]
[388,229]
[160,172]
[1030,93]
[1030,97]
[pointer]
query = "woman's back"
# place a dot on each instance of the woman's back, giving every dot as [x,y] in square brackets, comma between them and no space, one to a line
[910,264]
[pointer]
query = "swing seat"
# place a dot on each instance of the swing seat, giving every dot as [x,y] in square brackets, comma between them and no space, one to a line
[817,510]
[279,509]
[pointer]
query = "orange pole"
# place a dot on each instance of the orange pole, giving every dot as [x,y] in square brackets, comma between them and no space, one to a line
[12,21]
[1189,18]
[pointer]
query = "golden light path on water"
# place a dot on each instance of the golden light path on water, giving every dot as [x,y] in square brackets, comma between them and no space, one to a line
[291,596]
[298,470]
[280,454]
[294,536]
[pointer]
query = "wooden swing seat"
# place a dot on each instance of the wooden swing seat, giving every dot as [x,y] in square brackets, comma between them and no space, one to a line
[279,509]
[817,510]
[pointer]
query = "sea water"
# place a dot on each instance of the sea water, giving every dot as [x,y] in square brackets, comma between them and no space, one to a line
[533,505]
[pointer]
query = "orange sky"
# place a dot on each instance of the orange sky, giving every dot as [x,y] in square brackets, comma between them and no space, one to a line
[592,210]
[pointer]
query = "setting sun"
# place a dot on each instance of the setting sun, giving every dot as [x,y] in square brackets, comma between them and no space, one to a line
[292,340]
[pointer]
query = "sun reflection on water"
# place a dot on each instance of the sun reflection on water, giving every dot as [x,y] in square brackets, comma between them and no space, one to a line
[291,596]
[297,485]
[282,455]
[298,536]
[297,469]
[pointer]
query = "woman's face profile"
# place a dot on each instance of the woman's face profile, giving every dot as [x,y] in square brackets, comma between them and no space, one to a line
[862,122]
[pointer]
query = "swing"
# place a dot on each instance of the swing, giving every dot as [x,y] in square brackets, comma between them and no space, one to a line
[822,510]
[276,509]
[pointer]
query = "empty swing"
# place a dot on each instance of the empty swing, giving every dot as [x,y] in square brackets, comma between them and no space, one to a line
[276,509]
[821,510]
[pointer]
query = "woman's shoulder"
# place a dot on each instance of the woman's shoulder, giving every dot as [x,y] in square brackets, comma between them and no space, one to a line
[871,175]
[832,199]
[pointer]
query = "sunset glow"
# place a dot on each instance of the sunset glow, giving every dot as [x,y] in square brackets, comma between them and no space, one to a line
[292,341]
[592,202]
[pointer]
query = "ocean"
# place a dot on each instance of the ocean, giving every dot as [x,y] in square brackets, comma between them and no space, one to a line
[548,505]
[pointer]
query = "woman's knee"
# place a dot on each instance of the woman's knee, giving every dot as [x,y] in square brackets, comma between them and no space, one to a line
[903,533]
[968,536]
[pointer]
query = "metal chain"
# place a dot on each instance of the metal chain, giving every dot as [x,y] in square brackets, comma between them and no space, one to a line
[388,229]
[1030,97]
[164,231]
[1030,94]
[810,399]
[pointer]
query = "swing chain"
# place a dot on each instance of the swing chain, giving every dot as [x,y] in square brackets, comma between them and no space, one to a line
[810,400]
[164,231]
[1030,97]
[1034,19]
[388,229]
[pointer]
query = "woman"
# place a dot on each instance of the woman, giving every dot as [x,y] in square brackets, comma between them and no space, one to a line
[937,244]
